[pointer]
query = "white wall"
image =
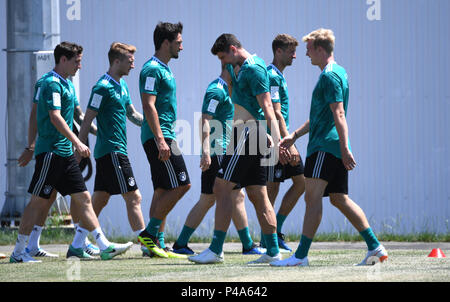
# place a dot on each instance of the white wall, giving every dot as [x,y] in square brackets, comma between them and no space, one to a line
[399,96]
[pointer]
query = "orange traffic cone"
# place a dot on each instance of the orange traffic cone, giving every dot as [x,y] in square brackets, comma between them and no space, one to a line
[436,253]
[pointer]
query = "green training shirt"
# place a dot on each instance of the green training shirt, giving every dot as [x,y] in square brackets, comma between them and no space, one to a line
[217,103]
[332,87]
[252,80]
[156,78]
[279,91]
[56,93]
[37,88]
[110,100]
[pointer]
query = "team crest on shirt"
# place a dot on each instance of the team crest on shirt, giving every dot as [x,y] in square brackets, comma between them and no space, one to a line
[182,176]
[278,173]
[131,181]
[47,189]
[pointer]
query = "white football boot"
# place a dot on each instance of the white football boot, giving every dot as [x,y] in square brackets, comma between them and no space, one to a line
[291,261]
[39,252]
[207,257]
[374,256]
[266,259]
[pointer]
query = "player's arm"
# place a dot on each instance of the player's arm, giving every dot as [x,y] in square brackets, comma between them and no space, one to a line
[291,138]
[342,129]
[86,124]
[151,115]
[78,116]
[295,156]
[27,154]
[60,124]
[205,161]
[134,116]
[265,102]
[279,116]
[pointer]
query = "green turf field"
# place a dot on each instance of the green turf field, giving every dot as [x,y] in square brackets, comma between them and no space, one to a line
[331,262]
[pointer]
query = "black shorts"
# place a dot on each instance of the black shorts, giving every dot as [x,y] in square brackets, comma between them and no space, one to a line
[167,174]
[209,176]
[326,166]
[242,163]
[114,174]
[280,172]
[54,172]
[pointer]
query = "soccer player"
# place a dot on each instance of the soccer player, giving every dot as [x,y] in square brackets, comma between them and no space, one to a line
[217,115]
[110,103]
[56,167]
[284,52]
[329,156]
[158,95]
[33,248]
[252,105]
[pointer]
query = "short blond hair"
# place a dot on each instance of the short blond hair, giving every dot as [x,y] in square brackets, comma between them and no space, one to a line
[120,51]
[321,37]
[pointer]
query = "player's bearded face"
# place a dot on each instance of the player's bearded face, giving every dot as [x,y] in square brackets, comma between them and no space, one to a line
[74,64]
[176,46]
[289,55]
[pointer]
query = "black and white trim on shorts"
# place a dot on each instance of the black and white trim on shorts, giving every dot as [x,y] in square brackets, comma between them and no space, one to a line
[318,165]
[171,173]
[235,157]
[271,173]
[119,173]
[43,175]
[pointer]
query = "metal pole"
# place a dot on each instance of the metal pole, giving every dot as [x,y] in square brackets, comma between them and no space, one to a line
[32,25]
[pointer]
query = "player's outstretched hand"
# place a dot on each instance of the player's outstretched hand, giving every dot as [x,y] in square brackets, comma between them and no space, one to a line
[288,141]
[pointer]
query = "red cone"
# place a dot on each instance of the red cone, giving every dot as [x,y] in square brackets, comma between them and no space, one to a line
[437,253]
